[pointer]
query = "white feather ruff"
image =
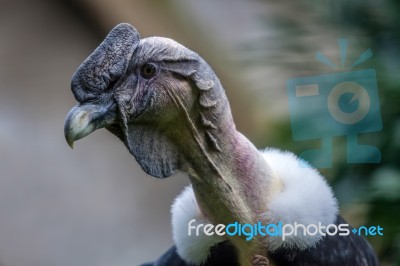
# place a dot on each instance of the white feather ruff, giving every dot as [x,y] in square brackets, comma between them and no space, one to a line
[306,198]
[192,249]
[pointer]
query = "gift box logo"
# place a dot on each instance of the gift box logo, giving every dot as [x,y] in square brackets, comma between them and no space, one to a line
[336,104]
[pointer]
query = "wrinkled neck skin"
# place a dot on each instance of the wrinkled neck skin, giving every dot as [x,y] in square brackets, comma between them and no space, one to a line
[231,183]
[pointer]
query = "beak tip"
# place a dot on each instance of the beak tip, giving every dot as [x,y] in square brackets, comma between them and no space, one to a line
[69,136]
[71,144]
[69,140]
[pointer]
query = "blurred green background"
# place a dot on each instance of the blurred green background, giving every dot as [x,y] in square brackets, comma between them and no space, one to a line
[93,205]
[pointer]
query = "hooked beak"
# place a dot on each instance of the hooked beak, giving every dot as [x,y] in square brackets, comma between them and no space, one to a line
[83,120]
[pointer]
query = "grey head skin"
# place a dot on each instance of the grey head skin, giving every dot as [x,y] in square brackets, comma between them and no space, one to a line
[168,107]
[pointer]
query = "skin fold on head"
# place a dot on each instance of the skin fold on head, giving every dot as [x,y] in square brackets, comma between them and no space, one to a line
[168,107]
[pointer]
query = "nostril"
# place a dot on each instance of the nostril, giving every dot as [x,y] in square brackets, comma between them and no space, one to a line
[90,97]
[112,83]
[82,95]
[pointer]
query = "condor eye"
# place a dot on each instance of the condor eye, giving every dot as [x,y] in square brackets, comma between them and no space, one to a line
[148,70]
